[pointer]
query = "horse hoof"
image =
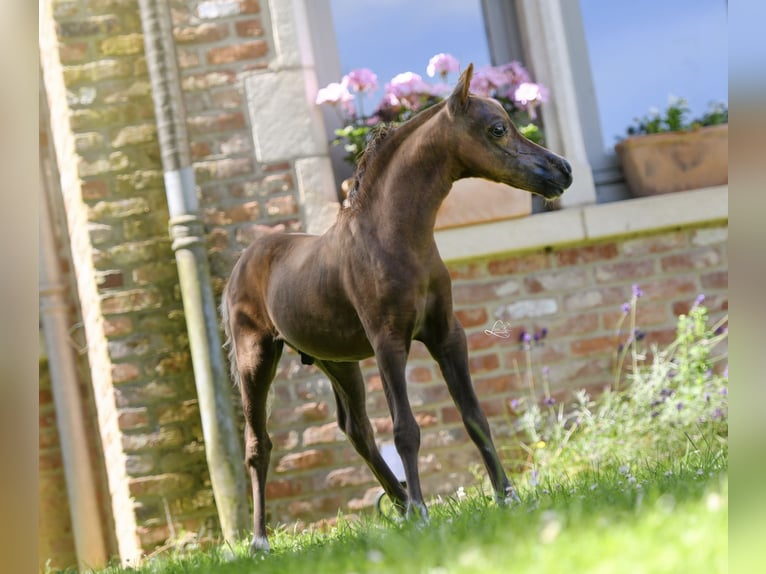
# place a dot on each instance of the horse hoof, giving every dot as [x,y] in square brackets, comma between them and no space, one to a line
[508,497]
[259,546]
[418,513]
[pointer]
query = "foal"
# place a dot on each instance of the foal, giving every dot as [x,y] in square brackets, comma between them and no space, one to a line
[374,282]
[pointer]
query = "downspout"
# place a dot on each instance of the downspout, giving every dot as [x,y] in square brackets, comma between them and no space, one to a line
[222,443]
[78,470]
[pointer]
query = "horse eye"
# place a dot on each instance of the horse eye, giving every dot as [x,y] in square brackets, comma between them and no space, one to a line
[498,129]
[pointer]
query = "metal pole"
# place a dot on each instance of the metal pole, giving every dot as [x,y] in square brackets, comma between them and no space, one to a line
[222,441]
[78,469]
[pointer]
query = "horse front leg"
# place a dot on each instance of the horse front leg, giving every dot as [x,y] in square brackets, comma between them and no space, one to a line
[391,356]
[451,353]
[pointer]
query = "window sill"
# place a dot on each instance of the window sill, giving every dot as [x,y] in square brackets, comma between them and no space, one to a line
[585,223]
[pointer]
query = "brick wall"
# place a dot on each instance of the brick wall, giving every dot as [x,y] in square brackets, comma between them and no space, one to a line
[575,293]
[112,187]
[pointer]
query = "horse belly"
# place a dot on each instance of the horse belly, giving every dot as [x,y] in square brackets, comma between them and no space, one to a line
[321,329]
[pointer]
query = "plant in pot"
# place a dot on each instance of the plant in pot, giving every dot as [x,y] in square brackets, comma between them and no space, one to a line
[470,200]
[665,152]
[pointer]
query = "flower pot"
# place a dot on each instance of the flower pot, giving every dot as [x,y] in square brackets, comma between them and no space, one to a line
[474,200]
[677,161]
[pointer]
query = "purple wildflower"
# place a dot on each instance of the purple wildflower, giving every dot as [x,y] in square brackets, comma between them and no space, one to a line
[637,291]
[679,406]
[638,334]
[550,401]
[700,298]
[626,307]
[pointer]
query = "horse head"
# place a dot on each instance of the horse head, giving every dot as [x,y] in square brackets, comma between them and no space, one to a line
[489,146]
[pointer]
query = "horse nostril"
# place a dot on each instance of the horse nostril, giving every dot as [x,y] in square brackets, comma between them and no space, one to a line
[566,166]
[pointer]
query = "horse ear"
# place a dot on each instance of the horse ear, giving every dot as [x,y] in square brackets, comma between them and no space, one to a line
[458,100]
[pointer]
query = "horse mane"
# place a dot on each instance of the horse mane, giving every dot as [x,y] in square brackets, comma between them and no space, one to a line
[386,138]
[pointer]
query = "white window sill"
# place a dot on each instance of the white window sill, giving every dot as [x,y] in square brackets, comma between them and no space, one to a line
[585,223]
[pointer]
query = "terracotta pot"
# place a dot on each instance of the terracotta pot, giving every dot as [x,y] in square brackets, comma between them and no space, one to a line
[474,200]
[677,161]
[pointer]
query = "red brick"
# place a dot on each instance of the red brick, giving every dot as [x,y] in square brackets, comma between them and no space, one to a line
[237,52]
[595,345]
[646,314]
[133,419]
[668,289]
[323,434]
[282,206]
[304,460]
[572,325]
[349,476]
[502,384]
[374,383]
[558,280]
[654,244]
[483,363]
[702,259]
[164,484]
[468,270]
[117,326]
[625,270]
[716,280]
[94,189]
[519,264]
[249,28]
[419,374]
[472,317]
[586,254]
[283,488]
[202,125]
[206,32]
[124,372]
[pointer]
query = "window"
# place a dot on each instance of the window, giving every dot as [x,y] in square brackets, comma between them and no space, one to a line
[643,52]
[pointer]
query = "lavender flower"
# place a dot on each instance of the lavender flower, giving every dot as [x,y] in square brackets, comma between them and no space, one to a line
[626,308]
[550,401]
[637,291]
[698,301]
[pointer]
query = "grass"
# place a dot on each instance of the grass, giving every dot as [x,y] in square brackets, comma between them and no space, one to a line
[633,481]
[654,518]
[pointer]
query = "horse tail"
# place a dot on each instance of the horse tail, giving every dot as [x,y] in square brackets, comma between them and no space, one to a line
[229,343]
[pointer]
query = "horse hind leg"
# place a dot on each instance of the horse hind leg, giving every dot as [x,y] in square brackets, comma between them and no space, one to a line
[348,385]
[256,359]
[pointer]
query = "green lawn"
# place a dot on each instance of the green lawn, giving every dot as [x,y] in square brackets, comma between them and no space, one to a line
[669,517]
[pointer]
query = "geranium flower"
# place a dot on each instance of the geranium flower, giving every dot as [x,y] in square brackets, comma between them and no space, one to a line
[337,94]
[361,80]
[442,64]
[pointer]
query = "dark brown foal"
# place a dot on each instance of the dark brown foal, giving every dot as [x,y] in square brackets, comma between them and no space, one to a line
[373,283]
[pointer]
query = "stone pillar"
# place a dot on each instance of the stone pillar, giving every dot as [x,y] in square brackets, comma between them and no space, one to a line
[545,36]
[287,125]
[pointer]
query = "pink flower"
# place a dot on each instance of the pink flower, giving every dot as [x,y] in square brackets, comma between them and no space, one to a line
[516,72]
[361,80]
[336,94]
[529,92]
[442,64]
[408,88]
[408,83]
[487,80]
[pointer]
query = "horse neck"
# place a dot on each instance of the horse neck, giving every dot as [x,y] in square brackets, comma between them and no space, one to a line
[412,183]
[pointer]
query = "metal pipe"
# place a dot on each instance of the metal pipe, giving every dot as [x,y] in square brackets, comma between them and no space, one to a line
[78,470]
[222,441]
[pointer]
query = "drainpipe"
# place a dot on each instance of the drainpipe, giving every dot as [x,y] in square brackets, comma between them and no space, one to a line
[222,443]
[78,470]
